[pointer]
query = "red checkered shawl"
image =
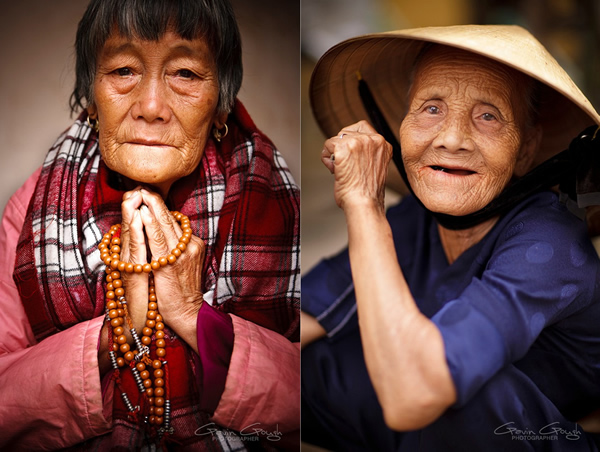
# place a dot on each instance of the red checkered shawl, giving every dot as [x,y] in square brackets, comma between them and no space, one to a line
[241,201]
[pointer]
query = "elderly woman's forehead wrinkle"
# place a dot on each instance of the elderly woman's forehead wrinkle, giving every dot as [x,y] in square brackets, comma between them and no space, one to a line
[470,77]
[177,47]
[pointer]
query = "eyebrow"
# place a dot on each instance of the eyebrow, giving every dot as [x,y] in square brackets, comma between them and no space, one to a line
[435,93]
[112,50]
[185,50]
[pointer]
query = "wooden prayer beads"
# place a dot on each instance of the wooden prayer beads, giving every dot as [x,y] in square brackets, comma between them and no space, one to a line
[148,373]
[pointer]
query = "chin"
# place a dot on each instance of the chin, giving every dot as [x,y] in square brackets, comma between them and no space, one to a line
[142,177]
[151,172]
[156,183]
[455,207]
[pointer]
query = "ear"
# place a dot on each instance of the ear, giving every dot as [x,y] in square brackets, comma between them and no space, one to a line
[92,111]
[529,150]
[220,120]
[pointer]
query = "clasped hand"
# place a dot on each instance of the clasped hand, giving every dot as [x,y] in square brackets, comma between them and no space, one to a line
[361,159]
[149,230]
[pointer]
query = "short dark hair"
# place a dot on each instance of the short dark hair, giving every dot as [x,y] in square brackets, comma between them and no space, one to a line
[212,20]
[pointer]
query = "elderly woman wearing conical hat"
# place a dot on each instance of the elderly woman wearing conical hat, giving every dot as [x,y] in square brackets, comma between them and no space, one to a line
[467,317]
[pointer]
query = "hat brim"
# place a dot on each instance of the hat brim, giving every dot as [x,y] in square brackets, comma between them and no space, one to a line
[385,61]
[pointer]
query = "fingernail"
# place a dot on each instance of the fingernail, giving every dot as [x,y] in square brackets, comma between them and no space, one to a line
[144,209]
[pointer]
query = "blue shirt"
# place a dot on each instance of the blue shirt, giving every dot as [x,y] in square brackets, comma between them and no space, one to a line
[527,294]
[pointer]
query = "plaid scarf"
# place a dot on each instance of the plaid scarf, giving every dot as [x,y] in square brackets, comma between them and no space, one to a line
[242,201]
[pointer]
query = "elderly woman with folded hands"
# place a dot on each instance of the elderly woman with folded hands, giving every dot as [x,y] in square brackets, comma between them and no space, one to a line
[467,317]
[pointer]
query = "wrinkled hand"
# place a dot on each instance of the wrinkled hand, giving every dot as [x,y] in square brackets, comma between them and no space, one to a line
[149,228]
[361,158]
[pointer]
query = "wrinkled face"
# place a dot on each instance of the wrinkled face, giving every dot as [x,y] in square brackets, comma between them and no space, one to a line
[156,105]
[463,136]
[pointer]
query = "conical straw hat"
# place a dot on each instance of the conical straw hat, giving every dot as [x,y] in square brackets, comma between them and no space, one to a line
[385,62]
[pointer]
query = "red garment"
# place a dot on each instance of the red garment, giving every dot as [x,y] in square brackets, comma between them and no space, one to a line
[241,201]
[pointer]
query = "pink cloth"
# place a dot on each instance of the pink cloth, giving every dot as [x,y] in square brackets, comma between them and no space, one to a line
[50,393]
[271,404]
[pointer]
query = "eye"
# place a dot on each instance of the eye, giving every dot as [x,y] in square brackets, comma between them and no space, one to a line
[123,71]
[185,73]
[432,110]
[488,117]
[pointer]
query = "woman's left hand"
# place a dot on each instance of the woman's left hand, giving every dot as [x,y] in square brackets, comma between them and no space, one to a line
[359,164]
[178,285]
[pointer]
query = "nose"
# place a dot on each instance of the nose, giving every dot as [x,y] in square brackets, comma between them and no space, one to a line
[151,103]
[455,133]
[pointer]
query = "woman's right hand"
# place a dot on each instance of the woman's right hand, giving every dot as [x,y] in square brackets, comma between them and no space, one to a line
[360,161]
[133,249]
[136,283]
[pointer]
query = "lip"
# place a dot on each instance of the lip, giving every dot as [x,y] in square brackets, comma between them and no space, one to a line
[452,170]
[147,142]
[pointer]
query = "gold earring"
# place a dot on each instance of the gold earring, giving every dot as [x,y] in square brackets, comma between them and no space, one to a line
[93,123]
[220,135]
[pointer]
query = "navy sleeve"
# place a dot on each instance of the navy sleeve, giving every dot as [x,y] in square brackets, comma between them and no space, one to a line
[543,269]
[328,292]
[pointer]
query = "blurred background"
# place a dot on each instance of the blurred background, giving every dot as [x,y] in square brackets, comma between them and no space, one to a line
[569,29]
[37,76]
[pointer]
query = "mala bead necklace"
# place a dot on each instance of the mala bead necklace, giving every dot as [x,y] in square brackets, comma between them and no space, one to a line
[149,373]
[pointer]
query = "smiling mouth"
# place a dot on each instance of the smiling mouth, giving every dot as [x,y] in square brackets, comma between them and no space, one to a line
[453,171]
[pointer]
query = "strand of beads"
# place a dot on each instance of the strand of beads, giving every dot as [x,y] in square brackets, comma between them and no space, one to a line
[122,355]
[154,388]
